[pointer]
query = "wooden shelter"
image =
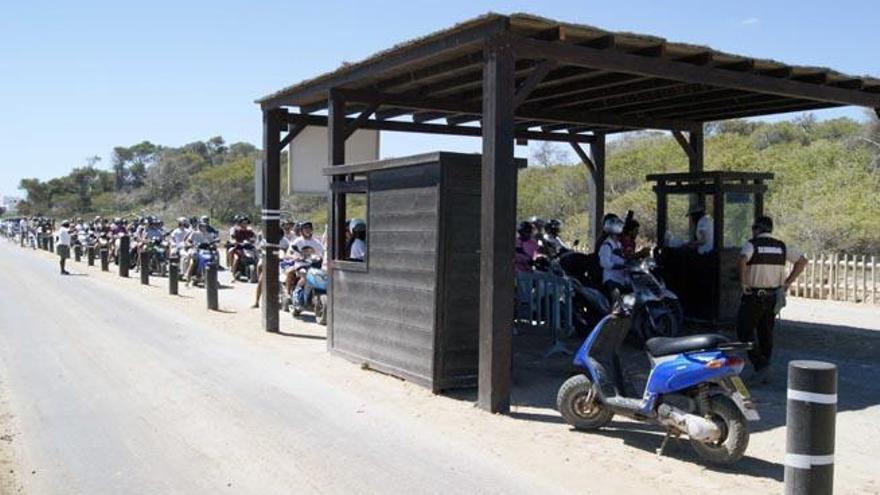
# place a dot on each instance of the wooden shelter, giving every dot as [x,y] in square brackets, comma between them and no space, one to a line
[520,77]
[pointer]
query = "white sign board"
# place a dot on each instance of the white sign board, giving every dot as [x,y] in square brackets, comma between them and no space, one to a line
[258,182]
[309,154]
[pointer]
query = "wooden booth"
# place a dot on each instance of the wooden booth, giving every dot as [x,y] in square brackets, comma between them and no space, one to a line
[507,79]
[411,308]
[707,283]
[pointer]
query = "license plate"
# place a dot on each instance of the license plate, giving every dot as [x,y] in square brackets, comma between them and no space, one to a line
[740,387]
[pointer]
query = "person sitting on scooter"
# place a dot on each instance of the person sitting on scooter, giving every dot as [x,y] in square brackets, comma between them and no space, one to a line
[307,239]
[241,234]
[628,240]
[194,239]
[526,248]
[551,239]
[211,230]
[285,263]
[611,256]
[357,243]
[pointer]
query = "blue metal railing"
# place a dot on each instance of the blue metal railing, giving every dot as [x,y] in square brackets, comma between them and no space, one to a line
[544,301]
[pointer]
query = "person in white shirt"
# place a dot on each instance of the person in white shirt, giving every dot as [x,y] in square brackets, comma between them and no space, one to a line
[357,246]
[611,256]
[703,239]
[307,239]
[62,244]
[193,240]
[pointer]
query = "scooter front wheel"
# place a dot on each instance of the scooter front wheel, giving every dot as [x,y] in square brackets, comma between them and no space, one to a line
[734,440]
[579,405]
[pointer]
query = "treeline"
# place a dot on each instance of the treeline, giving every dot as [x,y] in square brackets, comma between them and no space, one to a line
[826,194]
[204,177]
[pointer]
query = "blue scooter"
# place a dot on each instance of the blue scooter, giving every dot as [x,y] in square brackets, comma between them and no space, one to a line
[205,254]
[693,389]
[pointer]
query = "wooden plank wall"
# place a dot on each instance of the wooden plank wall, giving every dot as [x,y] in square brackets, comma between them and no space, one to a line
[386,315]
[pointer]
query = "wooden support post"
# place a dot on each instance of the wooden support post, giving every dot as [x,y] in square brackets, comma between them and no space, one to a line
[597,152]
[662,219]
[173,274]
[813,277]
[105,258]
[212,286]
[273,120]
[336,134]
[145,267]
[595,164]
[845,277]
[873,280]
[864,279]
[123,255]
[822,276]
[498,218]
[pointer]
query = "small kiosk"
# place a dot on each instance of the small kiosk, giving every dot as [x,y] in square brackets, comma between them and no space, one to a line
[411,307]
[707,283]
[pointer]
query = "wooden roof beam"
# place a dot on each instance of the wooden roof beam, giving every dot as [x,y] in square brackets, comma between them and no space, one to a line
[471,36]
[453,105]
[669,69]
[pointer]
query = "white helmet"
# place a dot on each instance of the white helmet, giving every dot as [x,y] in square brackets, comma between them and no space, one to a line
[613,225]
[357,225]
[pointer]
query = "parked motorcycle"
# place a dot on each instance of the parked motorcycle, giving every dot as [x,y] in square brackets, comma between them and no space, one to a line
[693,389]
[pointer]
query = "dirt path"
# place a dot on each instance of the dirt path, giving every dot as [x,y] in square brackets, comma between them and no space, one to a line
[122,388]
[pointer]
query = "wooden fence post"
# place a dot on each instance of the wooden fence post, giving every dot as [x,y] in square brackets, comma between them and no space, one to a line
[873,281]
[822,276]
[813,277]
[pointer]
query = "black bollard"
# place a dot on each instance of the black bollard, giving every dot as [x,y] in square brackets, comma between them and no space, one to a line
[145,267]
[105,259]
[51,244]
[173,274]
[211,286]
[122,255]
[77,253]
[809,427]
[91,255]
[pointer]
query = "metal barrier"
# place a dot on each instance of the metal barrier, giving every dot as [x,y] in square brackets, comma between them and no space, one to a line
[544,301]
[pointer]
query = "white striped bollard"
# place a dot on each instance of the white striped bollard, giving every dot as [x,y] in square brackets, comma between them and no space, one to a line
[809,427]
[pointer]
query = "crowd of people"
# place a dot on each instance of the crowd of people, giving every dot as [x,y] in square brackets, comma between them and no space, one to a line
[298,248]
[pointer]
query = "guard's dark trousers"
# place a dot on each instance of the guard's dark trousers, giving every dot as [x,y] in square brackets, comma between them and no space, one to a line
[755,323]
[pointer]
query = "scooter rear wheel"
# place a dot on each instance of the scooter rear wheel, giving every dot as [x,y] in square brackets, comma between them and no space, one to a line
[734,433]
[579,405]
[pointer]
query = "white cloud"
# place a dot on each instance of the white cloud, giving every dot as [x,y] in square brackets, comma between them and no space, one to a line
[750,21]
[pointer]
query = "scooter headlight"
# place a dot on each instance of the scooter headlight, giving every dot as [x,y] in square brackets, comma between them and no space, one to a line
[649,264]
[628,301]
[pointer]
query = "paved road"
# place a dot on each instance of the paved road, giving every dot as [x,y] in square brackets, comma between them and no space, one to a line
[115,395]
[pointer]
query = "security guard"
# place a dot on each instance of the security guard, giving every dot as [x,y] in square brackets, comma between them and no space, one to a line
[762,276]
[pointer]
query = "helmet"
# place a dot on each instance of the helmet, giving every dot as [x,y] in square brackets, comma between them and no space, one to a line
[524,227]
[613,224]
[181,221]
[204,219]
[117,220]
[306,225]
[552,226]
[356,225]
[244,219]
[538,222]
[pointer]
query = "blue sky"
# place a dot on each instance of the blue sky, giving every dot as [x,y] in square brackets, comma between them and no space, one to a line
[77,78]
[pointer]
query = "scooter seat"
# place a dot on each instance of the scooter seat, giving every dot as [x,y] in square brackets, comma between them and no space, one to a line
[664,346]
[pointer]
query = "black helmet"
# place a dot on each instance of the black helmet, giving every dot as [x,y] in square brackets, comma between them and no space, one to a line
[245,219]
[306,225]
[552,226]
[763,224]
[524,227]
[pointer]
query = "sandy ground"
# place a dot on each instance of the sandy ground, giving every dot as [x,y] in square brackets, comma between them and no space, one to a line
[154,394]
